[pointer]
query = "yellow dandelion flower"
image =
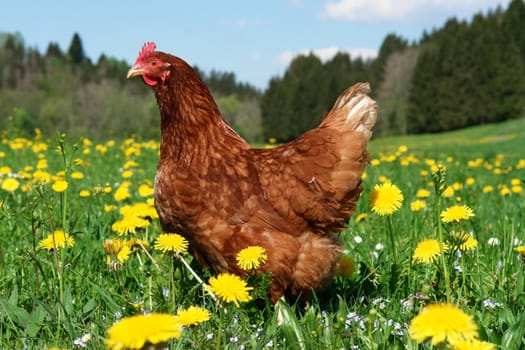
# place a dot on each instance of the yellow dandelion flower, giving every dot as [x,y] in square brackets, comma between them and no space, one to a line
[42,164]
[124,253]
[56,240]
[251,258]
[42,176]
[101,148]
[192,316]
[516,189]
[448,192]
[84,193]
[129,224]
[504,190]
[126,174]
[4,170]
[427,251]
[59,186]
[145,190]
[470,181]
[136,331]
[487,189]
[520,250]
[122,192]
[383,179]
[171,242]
[417,205]
[112,246]
[230,288]
[140,209]
[10,184]
[473,345]
[109,207]
[465,240]
[422,193]
[442,322]
[386,198]
[456,213]
[361,217]
[77,175]
[130,164]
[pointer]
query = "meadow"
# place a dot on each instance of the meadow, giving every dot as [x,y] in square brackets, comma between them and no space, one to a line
[81,250]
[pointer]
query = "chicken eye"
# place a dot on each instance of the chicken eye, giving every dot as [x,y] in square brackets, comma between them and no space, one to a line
[153,63]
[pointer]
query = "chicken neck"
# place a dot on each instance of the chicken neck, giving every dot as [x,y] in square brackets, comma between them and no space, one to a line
[191,124]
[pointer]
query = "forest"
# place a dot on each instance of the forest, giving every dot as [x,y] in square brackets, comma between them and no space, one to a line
[463,74]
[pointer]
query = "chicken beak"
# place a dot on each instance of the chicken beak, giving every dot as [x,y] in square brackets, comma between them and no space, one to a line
[134,71]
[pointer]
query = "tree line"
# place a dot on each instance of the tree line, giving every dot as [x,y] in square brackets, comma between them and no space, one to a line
[465,73]
[66,91]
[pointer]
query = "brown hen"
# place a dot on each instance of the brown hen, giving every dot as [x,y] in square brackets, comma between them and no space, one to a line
[223,195]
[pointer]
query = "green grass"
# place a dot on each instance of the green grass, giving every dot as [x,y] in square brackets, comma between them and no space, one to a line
[54,298]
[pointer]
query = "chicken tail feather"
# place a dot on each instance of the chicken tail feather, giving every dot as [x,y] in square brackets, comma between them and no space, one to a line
[353,110]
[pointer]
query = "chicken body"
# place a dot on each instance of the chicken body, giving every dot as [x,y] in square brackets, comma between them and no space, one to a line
[224,195]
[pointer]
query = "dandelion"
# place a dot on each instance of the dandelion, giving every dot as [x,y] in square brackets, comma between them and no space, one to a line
[520,250]
[145,190]
[171,242]
[251,258]
[417,205]
[192,316]
[427,251]
[122,192]
[456,213]
[59,186]
[473,345]
[137,331]
[10,184]
[84,193]
[386,199]
[442,322]
[124,253]
[470,181]
[230,288]
[487,189]
[140,209]
[448,192]
[465,240]
[56,240]
[129,224]
[77,175]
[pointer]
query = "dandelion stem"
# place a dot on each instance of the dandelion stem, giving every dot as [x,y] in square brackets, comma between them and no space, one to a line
[196,276]
[150,257]
[440,186]
[392,239]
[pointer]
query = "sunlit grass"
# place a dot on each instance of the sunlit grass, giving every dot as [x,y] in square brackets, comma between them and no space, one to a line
[115,262]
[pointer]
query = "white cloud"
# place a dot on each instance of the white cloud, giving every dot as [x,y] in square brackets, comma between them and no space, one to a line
[401,9]
[325,54]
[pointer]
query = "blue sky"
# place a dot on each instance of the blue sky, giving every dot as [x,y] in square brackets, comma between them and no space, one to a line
[254,39]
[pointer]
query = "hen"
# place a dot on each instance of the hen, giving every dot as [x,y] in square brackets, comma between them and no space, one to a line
[224,195]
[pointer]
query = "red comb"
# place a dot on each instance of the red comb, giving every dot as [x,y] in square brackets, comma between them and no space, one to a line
[147,48]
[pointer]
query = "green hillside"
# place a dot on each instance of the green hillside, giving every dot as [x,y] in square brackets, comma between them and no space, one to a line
[506,137]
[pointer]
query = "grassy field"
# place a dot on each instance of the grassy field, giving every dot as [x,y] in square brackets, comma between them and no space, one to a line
[68,298]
